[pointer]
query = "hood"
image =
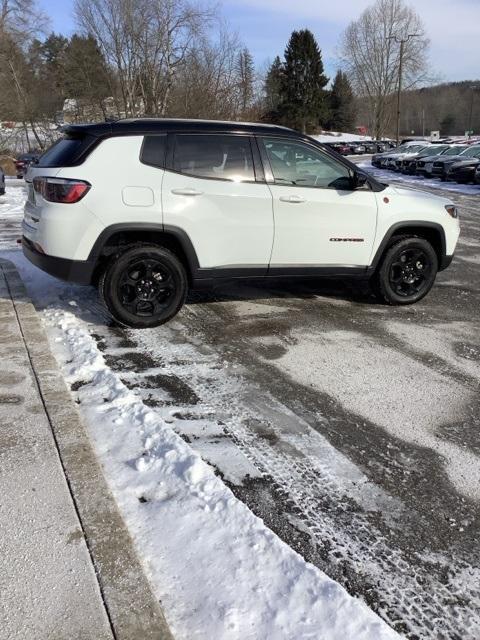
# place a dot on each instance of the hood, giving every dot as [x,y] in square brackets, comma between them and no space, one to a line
[435,158]
[467,162]
[452,159]
[414,193]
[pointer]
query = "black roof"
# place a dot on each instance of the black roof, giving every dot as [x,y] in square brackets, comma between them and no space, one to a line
[142,126]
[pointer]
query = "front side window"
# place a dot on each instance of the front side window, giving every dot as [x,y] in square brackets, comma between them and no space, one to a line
[222,157]
[294,163]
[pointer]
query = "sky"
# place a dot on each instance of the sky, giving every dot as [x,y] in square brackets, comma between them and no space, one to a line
[264,26]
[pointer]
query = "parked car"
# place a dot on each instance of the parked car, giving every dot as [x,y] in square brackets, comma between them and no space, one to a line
[425,165]
[440,167]
[340,147]
[357,148]
[409,164]
[394,160]
[387,159]
[148,209]
[477,174]
[376,147]
[2,182]
[463,171]
[24,161]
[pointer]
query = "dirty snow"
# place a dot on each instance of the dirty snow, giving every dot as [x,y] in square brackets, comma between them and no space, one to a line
[404,397]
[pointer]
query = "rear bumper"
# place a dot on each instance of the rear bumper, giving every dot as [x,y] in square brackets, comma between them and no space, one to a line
[80,272]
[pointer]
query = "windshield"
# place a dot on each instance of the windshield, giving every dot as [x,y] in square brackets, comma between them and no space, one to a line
[415,148]
[454,151]
[471,152]
[434,151]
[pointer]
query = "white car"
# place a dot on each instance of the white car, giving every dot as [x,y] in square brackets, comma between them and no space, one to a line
[393,161]
[147,209]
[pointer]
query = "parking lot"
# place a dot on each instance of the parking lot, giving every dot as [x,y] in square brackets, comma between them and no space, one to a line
[351,428]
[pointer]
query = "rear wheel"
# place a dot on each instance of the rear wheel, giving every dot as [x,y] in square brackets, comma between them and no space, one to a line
[145,286]
[406,272]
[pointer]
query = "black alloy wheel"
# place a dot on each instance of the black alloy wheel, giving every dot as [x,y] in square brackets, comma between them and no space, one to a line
[409,272]
[145,287]
[406,272]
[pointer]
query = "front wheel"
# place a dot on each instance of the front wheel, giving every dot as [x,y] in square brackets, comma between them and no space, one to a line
[145,286]
[407,271]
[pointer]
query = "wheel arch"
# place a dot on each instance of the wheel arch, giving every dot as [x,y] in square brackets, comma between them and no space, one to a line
[431,231]
[121,235]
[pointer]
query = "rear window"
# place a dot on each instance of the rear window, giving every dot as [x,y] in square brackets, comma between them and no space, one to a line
[153,151]
[66,152]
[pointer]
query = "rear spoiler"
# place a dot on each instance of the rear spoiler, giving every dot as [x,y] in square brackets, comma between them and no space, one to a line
[96,129]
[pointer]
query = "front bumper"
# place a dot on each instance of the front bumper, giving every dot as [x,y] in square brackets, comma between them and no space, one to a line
[78,271]
[467,174]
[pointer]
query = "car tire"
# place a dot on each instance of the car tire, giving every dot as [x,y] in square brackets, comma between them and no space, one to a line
[406,272]
[145,286]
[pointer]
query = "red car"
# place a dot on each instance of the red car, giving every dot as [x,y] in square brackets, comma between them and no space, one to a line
[24,161]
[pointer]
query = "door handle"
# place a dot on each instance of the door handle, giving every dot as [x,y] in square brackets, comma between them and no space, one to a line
[188,191]
[293,199]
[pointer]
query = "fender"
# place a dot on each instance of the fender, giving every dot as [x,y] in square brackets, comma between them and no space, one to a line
[443,259]
[179,234]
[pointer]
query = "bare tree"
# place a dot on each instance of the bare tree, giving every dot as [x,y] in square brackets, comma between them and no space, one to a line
[20,22]
[371,52]
[145,42]
[207,84]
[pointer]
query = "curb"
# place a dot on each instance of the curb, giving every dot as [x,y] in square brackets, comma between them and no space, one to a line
[132,609]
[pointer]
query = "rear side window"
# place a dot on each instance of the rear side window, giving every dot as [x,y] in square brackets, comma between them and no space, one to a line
[153,151]
[222,157]
[66,152]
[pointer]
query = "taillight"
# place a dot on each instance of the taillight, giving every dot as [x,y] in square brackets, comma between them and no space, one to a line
[63,190]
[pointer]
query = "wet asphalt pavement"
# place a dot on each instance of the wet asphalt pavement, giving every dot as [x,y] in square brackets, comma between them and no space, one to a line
[357,423]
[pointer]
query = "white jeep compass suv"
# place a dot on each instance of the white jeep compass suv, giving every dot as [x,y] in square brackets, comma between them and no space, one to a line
[147,209]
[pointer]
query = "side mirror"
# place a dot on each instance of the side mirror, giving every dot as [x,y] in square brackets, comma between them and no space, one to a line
[359,180]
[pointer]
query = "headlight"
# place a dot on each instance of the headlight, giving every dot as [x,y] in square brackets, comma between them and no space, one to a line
[451,210]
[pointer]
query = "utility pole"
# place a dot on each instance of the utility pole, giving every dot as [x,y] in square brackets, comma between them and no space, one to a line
[470,120]
[402,42]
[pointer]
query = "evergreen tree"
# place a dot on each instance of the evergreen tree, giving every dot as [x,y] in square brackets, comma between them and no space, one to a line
[342,105]
[304,101]
[447,125]
[246,78]
[273,89]
[86,72]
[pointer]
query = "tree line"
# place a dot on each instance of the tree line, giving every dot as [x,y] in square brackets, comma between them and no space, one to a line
[179,58]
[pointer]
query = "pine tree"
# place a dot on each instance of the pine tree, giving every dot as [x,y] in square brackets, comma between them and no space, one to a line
[273,88]
[86,72]
[303,97]
[246,78]
[342,104]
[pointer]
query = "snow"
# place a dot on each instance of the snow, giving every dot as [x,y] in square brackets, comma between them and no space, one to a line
[335,136]
[418,181]
[217,569]
[374,387]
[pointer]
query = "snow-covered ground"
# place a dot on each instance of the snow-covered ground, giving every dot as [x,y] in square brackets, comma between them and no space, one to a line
[335,136]
[417,181]
[218,570]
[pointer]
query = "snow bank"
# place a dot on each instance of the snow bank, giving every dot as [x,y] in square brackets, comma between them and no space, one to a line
[218,570]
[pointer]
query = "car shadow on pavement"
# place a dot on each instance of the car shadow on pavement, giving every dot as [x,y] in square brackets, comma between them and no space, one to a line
[357,291]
